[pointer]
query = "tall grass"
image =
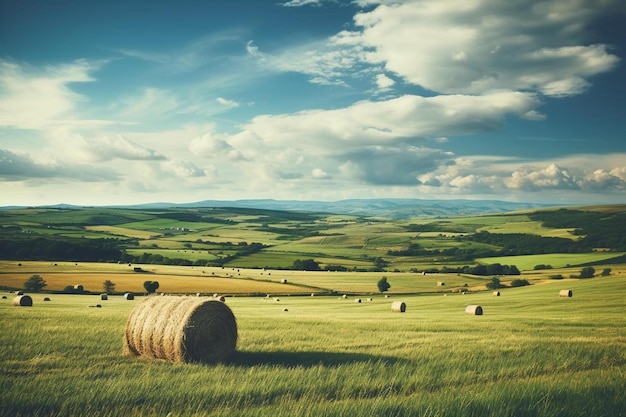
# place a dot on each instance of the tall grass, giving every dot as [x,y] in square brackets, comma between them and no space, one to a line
[531,354]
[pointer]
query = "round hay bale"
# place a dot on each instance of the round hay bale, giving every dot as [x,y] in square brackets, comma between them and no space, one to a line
[129,296]
[345,296]
[46,298]
[565,293]
[370,299]
[23,301]
[19,293]
[181,329]
[79,288]
[283,281]
[4,297]
[398,307]
[496,293]
[474,310]
[441,284]
[357,300]
[104,297]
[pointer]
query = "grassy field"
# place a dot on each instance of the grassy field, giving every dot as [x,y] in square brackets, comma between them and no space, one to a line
[556,260]
[530,354]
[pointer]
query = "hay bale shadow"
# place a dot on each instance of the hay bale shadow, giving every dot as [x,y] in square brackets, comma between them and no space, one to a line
[307,359]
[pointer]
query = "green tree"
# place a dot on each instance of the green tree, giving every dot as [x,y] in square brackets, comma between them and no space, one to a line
[494,284]
[34,284]
[108,286]
[587,272]
[306,265]
[383,285]
[151,286]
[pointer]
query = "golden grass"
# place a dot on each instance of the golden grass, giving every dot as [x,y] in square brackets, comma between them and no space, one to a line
[123,231]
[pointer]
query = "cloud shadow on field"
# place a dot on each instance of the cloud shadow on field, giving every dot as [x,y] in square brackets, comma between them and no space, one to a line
[308,359]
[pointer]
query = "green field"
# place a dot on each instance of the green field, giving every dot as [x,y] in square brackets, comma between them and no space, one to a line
[530,354]
[556,260]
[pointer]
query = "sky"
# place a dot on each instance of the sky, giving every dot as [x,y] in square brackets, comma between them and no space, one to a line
[127,102]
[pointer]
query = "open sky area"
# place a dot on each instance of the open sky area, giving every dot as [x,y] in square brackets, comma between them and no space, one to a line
[125,102]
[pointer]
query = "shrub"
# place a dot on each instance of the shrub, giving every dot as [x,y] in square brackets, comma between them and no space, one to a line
[383,285]
[519,283]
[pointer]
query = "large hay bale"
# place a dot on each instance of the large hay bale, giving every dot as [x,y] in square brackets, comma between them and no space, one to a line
[129,296]
[46,298]
[79,288]
[441,284]
[474,310]
[496,293]
[181,329]
[565,293]
[104,297]
[23,301]
[357,300]
[398,307]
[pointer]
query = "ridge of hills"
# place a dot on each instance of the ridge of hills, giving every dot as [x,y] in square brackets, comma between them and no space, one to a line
[392,208]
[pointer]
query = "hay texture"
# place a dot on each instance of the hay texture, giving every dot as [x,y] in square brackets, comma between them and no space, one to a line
[398,307]
[474,310]
[23,301]
[565,293]
[181,329]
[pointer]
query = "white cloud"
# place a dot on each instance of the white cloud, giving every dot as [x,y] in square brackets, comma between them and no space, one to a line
[300,3]
[227,103]
[383,82]
[473,47]
[320,174]
[385,122]
[182,169]
[36,98]
[104,148]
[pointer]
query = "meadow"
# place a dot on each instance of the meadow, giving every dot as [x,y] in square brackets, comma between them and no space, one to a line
[532,353]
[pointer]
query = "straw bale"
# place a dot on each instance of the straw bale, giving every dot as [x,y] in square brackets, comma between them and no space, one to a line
[496,293]
[475,310]
[46,298]
[129,296]
[23,301]
[565,293]
[104,297]
[357,300]
[181,329]
[398,307]
[79,287]
[441,284]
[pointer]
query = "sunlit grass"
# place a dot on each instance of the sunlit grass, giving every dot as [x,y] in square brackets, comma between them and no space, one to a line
[531,354]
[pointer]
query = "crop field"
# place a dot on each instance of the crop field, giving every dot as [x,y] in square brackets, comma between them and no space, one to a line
[556,260]
[532,353]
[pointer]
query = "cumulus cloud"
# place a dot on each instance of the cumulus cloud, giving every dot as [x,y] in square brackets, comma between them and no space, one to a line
[182,169]
[383,82]
[105,148]
[21,167]
[386,122]
[460,47]
[506,175]
[473,47]
[210,145]
[35,98]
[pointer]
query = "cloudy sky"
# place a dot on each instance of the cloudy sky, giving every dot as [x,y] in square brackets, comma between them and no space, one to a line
[123,102]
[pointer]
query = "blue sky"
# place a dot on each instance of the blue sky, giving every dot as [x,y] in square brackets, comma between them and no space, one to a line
[123,102]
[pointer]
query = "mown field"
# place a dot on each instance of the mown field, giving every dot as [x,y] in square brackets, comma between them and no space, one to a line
[532,353]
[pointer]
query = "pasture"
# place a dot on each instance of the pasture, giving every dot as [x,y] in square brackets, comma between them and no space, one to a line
[532,353]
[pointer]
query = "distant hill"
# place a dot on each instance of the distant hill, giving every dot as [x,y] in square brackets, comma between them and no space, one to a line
[392,208]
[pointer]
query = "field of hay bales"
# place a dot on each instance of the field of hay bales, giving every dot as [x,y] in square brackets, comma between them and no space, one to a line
[531,353]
